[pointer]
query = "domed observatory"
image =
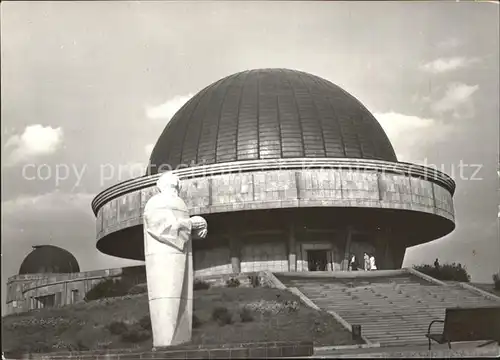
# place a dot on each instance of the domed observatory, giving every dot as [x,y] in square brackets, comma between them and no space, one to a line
[49,259]
[42,279]
[291,172]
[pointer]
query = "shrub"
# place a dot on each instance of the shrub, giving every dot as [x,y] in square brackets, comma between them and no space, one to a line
[246,314]
[447,272]
[254,280]
[145,322]
[106,289]
[222,315]
[232,283]
[136,333]
[496,280]
[201,285]
[81,346]
[138,289]
[291,306]
[196,321]
[117,327]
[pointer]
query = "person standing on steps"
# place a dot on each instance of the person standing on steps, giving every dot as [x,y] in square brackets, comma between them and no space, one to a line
[353,265]
[366,259]
[436,264]
[372,263]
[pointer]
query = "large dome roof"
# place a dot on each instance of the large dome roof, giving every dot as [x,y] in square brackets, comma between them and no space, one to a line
[270,114]
[49,259]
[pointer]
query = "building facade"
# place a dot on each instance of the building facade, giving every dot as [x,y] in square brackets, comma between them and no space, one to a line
[50,277]
[291,173]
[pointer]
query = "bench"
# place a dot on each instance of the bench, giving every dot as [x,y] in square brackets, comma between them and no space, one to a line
[468,324]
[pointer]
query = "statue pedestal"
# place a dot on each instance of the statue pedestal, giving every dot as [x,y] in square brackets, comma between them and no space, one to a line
[170,291]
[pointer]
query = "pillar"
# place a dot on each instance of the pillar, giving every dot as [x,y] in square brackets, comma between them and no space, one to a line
[235,251]
[381,242]
[292,249]
[347,247]
[398,256]
[397,250]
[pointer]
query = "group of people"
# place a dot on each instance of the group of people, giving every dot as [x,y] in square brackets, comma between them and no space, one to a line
[368,263]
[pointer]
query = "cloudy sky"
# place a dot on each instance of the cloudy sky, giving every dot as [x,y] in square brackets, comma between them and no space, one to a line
[87,87]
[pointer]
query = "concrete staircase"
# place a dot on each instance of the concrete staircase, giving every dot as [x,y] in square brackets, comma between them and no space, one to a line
[393,309]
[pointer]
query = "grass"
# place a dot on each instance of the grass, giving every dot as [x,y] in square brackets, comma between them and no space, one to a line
[87,325]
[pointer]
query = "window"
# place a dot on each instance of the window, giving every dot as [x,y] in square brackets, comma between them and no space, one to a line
[45,301]
[74,296]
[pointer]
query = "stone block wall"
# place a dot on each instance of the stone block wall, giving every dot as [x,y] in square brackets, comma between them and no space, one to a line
[212,261]
[287,189]
[270,256]
[288,349]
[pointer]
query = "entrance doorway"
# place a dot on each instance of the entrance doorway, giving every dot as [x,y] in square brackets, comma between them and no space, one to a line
[317,260]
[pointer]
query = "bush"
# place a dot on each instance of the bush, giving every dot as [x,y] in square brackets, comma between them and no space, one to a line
[117,327]
[246,314]
[254,280]
[145,322]
[222,315]
[106,289]
[496,280]
[232,283]
[135,335]
[201,285]
[138,289]
[446,272]
[196,321]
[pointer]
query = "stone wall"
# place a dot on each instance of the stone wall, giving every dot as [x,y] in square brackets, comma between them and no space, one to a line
[212,261]
[249,350]
[270,256]
[287,189]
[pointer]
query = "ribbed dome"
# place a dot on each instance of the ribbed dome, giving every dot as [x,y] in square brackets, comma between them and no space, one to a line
[270,114]
[49,259]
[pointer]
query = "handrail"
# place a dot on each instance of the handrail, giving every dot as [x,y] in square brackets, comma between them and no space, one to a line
[278,164]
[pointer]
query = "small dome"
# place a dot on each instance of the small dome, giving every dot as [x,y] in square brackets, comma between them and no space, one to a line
[49,259]
[269,114]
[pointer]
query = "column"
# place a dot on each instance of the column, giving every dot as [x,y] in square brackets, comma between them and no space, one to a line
[380,250]
[397,250]
[347,247]
[235,249]
[292,251]
[398,253]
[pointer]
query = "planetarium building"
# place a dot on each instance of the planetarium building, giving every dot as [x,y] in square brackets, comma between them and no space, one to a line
[291,172]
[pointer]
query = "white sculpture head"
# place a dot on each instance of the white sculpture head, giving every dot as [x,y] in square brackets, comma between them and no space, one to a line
[169,182]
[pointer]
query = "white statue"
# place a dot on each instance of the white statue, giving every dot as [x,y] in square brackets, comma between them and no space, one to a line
[169,262]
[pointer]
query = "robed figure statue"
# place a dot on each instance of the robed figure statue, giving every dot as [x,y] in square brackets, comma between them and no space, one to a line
[168,253]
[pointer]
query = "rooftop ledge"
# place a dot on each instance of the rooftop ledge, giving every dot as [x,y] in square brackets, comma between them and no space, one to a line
[379,166]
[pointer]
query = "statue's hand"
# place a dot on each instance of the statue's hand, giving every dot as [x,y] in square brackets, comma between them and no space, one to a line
[201,234]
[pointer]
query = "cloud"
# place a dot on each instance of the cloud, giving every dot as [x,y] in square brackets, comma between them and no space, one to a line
[148,149]
[51,202]
[450,43]
[409,133]
[457,100]
[36,140]
[443,65]
[168,109]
